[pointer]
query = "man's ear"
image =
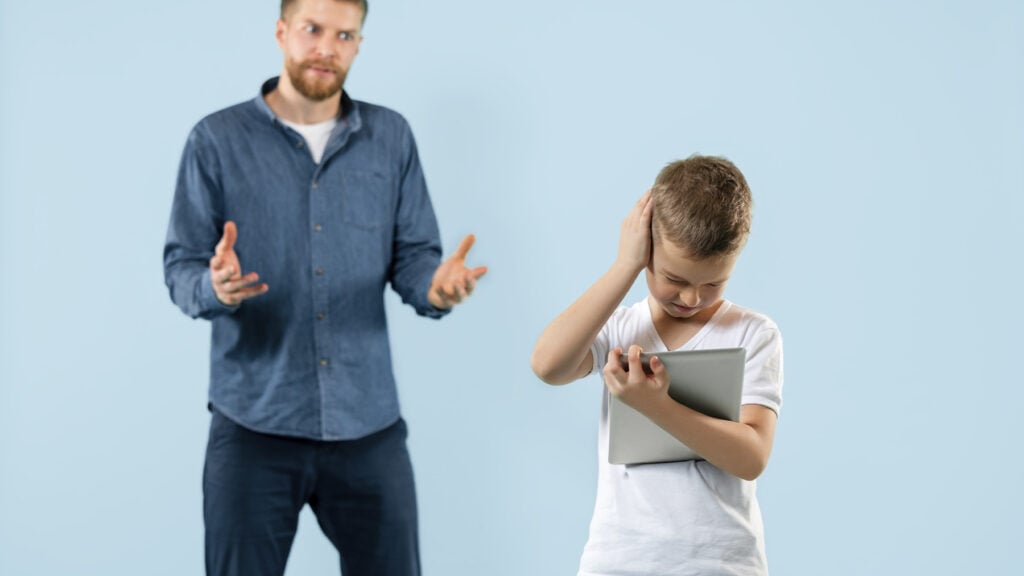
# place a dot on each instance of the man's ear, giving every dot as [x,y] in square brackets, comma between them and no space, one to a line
[282,27]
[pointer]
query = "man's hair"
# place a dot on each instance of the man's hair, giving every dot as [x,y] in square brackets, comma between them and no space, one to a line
[286,6]
[702,205]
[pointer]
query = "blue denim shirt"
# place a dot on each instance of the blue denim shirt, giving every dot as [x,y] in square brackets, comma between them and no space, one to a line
[310,358]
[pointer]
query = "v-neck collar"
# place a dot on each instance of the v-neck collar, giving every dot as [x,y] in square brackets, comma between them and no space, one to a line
[696,338]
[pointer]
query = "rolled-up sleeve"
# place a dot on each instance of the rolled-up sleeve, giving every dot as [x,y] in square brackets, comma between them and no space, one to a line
[195,227]
[417,243]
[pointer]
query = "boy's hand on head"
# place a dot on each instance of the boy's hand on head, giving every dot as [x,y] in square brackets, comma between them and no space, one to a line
[635,238]
[639,390]
[453,282]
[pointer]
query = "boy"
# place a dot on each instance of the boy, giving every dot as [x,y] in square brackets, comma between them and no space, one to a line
[692,517]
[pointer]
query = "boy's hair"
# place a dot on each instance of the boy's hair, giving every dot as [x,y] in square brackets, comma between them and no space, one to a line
[286,6]
[702,205]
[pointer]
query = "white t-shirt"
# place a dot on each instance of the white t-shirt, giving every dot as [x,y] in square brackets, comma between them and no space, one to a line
[316,135]
[682,518]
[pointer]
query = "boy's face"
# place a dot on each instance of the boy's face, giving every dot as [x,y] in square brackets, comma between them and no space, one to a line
[684,287]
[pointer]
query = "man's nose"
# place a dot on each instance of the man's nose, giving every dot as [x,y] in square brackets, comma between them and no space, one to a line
[325,47]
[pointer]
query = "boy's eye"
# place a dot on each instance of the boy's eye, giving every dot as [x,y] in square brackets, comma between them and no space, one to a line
[346,36]
[310,28]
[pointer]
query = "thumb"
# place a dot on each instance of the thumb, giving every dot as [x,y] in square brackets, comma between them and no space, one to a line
[464,247]
[227,242]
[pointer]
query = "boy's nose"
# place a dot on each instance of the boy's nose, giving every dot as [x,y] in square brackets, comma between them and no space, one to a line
[689,298]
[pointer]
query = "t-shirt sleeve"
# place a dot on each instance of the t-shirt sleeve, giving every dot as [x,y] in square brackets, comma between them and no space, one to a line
[762,378]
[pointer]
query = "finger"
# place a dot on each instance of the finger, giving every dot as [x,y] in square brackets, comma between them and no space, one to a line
[250,292]
[648,200]
[614,365]
[222,275]
[450,300]
[219,263]
[636,367]
[235,285]
[435,297]
[478,272]
[638,215]
[615,375]
[445,294]
[456,289]
[439,290]
[237,298]
[227,241]
[658,371]
[464,246]
[470,285]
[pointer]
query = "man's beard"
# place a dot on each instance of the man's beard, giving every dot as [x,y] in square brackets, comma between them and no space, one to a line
[318,89]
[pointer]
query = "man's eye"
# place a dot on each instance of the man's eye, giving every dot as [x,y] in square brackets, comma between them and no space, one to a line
[346,36]
[310,28]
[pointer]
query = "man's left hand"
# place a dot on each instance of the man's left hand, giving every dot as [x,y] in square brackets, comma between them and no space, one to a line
[453,282]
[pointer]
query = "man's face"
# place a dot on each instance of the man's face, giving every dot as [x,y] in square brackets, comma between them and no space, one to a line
[684,287]
[320,39]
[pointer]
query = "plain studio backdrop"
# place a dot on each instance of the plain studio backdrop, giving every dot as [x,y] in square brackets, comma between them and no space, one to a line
[883,141]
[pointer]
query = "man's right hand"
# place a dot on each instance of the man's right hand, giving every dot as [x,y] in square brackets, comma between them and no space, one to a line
[229,285]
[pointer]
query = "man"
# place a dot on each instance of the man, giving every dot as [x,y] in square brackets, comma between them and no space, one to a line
[291,214]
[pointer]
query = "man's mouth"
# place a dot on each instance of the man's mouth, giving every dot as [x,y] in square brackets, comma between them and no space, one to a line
[322,70]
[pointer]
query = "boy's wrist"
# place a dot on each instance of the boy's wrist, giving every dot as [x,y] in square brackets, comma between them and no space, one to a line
[660,409]
[632,269]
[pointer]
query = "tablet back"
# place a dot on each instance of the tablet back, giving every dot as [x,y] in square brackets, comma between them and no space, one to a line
[709,381]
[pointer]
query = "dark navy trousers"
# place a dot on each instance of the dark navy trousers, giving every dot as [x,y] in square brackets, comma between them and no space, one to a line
[362,492]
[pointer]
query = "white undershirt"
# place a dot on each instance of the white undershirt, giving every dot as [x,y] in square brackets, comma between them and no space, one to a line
[316,135]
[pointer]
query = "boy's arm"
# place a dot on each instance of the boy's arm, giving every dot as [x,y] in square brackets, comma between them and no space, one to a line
[740,448]
[562,353]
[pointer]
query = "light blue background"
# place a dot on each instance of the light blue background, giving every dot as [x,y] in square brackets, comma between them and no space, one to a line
[884,142]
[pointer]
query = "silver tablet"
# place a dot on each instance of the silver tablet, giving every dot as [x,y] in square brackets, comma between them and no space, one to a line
[709,381]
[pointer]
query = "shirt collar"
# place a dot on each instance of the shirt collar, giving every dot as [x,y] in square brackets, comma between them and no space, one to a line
[346,112]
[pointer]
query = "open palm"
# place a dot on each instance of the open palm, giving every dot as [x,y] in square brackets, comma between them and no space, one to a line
[453,282]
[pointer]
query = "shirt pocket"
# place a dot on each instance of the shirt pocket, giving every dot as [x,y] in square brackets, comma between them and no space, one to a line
[366,199]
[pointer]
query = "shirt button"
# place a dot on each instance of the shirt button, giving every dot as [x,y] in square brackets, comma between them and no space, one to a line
[315,185]
[319,271]
[298,144]
[318,227]
[324,362]
[321,316]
